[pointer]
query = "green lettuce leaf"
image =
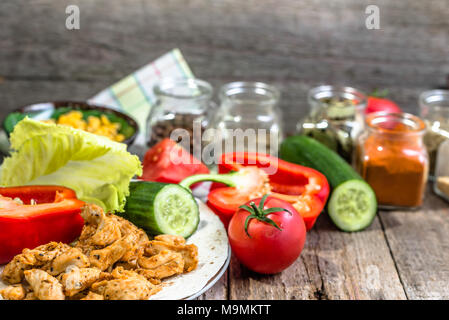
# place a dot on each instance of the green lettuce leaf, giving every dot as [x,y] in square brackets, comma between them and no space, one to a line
[98,169]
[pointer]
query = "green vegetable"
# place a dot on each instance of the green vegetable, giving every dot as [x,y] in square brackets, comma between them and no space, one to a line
[162,208]
[12,119]
[352,205]
[15,117]
[98,169]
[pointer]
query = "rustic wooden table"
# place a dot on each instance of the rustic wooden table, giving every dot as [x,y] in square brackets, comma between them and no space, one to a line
[402,255]
[292,44]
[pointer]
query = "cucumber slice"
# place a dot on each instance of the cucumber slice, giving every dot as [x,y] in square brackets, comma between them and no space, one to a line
[352,206]
[162,208]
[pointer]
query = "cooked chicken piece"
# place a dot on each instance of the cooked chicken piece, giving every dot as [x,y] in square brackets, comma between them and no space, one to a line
[162,265]
[127,265]
[189,252]
[127,285]
[39,257]
[101,229]
[30,296]
[172,239]
[105,258]
[14,292]
[138,238]
[72,257]
[93,296]
[76,280]
[45,286]
[134,265]
[149,275]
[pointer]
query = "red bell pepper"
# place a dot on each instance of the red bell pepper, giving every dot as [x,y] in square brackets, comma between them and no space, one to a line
[34,215]
[253,176]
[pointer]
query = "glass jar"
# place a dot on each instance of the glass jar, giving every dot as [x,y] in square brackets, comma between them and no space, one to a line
[336,117]
[441,184]
[434,110]
[248,112]
[393,160]
[181,104]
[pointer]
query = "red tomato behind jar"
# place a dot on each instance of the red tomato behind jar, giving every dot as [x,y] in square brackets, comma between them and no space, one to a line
[158,165]
[269,237]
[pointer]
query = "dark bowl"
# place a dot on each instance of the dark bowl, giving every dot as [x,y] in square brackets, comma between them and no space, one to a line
[45,110]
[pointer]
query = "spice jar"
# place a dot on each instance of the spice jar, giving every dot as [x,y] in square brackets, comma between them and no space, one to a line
[248,118]
[181,104]
[392,158]
[434,110]
[336,118]
[441,184]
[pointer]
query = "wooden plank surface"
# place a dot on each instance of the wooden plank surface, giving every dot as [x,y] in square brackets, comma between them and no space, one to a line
[419,244]
[293,44]
[333,265]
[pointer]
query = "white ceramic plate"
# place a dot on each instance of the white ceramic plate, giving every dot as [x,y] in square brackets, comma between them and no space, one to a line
[214,254]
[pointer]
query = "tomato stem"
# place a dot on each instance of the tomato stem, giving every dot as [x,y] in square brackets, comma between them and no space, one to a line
[260,213]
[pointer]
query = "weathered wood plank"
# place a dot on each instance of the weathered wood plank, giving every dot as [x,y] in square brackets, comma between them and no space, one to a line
[333,265]
[420,246]
[298,43]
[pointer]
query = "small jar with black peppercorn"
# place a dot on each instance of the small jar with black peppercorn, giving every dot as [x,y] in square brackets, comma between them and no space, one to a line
[181,104]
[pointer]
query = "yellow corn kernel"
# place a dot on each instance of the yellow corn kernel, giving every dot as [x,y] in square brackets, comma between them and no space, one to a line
[96,125]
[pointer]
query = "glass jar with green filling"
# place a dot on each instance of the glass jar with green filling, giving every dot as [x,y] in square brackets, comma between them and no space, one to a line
[336,118]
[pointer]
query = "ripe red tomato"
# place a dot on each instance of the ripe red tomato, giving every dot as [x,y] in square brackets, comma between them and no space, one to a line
[267,249]
[157,165]
[376,104]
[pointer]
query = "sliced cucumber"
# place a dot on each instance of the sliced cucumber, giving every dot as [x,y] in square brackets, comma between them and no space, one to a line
[352,206]
[162,208]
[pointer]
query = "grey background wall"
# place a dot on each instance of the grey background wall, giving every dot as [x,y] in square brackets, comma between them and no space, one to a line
[293,44]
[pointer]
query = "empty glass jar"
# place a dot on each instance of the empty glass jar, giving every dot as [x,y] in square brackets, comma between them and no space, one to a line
[248,118]
[336,117]
[434,110]
[181,103]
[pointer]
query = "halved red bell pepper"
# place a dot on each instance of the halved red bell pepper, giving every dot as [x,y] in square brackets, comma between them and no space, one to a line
[256,174]
[34,215]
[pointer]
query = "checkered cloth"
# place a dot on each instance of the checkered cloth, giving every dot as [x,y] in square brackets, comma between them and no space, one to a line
[134,94]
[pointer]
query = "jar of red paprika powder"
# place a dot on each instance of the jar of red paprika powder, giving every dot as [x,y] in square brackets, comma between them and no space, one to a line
[392,158]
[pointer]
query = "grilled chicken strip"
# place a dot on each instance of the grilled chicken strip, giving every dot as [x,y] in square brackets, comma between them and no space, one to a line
[41,256]
[77,279]
[14,292]
[93,296]
[127,285]
[44,285]
[71,257]
[171,239]
[162,265]
[137,238]
[189,252]
[105,258]
[101,229]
